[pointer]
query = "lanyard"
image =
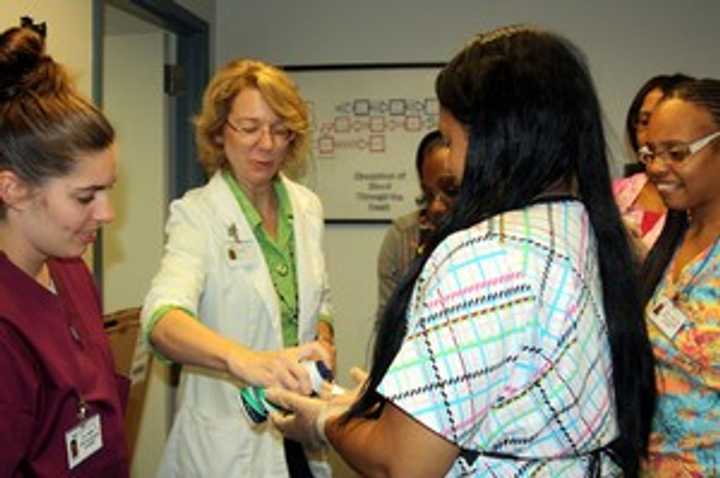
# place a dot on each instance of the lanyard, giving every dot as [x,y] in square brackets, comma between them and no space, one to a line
[71,311]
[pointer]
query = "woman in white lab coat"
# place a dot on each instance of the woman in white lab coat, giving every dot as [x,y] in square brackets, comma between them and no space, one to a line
[242,295]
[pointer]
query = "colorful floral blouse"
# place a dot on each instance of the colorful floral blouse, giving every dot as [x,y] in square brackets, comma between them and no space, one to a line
[686,430]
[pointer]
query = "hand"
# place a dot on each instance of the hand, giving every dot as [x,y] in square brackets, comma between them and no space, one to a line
[358,375]
[307,417]
[317,350]
[276,368]
[299,425]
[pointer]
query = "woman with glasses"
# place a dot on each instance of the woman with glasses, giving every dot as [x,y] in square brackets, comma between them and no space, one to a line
[640,204]
[682,280]
[242,295]
[406,237]
[516,346]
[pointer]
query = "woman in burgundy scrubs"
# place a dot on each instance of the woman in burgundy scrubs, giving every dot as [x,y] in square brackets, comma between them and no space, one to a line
[61,404]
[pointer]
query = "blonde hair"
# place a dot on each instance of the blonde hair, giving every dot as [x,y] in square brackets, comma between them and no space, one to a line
[277,89]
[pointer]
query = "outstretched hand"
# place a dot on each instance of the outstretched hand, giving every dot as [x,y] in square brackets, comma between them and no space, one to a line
[306,421]
[329,391]
[301,423]
[277,368]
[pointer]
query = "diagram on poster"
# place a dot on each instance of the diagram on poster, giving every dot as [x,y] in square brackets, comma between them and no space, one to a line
[366,124]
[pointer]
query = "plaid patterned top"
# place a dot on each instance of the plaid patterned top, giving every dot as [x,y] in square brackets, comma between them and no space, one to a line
[506,351]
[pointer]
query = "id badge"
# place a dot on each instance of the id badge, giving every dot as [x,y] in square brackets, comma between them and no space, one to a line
[667,317]
[83,440]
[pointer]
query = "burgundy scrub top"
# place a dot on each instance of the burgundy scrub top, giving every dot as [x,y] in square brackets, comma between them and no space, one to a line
[54,354]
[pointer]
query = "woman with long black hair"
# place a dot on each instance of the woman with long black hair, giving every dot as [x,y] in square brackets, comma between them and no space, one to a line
[516,346]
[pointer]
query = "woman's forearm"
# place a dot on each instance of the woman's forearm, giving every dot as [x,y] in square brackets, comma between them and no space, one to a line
[184,339]
[357,444]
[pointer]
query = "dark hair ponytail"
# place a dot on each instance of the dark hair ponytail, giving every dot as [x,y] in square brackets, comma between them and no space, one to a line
[25,68]
[44,123]
[534,121]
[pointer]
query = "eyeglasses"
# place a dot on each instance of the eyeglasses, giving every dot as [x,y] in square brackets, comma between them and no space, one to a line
[677,152]
[252,132]
[447,190]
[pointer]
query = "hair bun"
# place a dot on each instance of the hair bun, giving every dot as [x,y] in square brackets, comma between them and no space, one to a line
[22,52]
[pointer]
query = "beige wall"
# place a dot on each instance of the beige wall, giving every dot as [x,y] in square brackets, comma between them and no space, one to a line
[69,25]
[135,102]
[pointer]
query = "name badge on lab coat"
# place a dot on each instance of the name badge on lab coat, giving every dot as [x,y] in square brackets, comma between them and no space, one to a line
[83,440]
[667,317]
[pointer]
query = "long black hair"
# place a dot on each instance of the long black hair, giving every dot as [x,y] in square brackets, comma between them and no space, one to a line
[533,117]
[704,93]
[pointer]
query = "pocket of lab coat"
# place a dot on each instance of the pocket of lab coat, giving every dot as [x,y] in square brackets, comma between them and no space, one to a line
[206,446]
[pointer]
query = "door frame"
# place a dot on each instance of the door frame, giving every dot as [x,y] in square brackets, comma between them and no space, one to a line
[193,55]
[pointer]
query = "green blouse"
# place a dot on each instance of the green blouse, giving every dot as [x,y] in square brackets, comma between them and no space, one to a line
[279,253]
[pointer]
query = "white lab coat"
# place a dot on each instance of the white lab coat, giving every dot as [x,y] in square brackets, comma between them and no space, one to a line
[214,268]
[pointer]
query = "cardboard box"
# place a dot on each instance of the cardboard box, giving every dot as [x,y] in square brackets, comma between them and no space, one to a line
[133,360]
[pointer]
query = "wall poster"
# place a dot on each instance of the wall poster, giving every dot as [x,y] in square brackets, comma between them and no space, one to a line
[366,122]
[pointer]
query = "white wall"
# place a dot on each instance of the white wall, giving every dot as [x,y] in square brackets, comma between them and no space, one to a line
[626,42]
